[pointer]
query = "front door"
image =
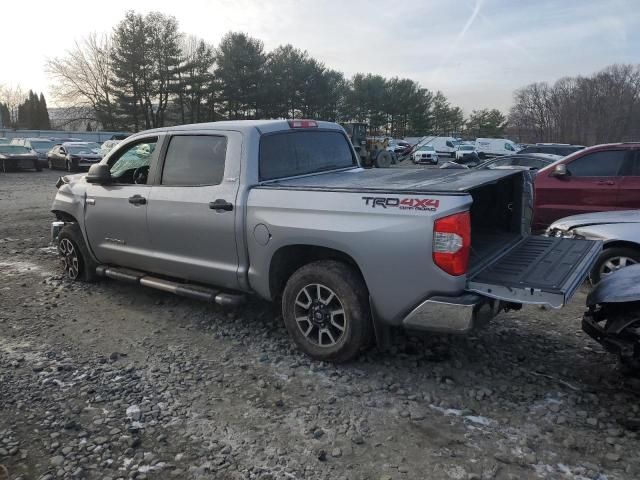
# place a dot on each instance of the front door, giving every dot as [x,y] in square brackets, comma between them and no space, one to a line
[116,214]
[192,209]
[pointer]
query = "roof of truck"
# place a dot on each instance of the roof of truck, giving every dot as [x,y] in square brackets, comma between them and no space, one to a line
[263,126]
[395,180]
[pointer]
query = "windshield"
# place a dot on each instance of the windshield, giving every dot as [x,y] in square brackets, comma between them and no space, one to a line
[466,147]
[81,149]
[42,144]
[428,148]
[13,149]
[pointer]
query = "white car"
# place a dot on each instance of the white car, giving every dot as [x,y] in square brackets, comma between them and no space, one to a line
[425,154]
[463,150]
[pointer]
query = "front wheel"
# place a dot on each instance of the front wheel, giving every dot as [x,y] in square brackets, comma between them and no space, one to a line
[383,159]
[326,312]
[76,261]
[612,259]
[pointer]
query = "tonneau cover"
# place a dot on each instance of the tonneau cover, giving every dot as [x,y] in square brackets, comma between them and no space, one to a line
[408,180]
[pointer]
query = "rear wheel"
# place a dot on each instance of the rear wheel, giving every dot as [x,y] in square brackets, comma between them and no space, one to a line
[325,309]
[36,166]
[76,261]
[611,260]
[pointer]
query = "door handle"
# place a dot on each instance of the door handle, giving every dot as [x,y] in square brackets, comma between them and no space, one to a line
[137,200]
[606,182]
[221,205]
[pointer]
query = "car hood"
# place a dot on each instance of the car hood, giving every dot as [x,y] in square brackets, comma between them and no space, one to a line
[597,218]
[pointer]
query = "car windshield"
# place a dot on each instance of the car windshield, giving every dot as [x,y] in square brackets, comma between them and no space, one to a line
[13,149]
[428,148]
[81,149]
[466,147]
[42,144]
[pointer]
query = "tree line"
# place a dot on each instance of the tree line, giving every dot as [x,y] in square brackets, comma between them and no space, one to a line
[26,111]
[148,74]
[601,108]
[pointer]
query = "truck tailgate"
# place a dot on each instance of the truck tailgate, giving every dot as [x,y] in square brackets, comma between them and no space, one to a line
[538,270]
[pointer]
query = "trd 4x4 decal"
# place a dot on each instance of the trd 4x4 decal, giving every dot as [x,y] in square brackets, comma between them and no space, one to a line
[425,204]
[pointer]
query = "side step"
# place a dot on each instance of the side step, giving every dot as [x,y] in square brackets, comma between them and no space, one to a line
[196,292]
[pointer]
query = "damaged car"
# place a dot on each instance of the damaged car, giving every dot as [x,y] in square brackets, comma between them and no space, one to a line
[619,231]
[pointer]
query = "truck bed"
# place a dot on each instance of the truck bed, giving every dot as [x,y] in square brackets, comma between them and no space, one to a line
[405,180]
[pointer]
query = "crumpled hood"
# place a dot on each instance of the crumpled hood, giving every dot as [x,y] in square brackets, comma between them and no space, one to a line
[597,218]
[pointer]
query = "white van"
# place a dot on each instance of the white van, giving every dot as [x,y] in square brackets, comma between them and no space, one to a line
[443,145]
[493,147]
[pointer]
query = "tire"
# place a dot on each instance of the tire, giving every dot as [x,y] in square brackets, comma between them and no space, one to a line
[36,166]
[50,164]
[70,167]
[610,260]
[336,291]
[76,260]
[383,159]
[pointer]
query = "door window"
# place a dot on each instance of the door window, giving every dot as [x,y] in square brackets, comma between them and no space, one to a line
[131,165]
[598,164]
[508,146]
[193,160]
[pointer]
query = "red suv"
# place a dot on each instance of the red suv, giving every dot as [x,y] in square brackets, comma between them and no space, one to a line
[596,179]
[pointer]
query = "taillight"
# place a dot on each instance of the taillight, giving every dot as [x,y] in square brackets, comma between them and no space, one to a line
[452,242]
[303,124]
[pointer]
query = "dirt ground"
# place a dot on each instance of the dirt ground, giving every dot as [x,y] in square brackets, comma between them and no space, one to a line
[111,381]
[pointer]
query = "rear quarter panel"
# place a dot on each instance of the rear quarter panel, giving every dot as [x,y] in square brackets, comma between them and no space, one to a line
[391,246]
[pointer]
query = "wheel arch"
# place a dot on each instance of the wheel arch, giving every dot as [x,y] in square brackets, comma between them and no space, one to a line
[287,259]
[621,244]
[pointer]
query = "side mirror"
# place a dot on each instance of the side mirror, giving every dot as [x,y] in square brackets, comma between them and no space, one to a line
[99,173]
[560,171]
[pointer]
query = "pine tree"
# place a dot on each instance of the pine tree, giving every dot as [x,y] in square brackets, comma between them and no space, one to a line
[44,123]
[240,72]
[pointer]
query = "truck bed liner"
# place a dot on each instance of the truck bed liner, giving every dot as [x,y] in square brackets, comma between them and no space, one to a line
[405,180]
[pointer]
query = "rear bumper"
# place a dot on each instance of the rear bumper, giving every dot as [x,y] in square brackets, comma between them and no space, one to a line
[452,314]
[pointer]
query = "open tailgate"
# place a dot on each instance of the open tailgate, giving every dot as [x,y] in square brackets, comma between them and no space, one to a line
[538,270]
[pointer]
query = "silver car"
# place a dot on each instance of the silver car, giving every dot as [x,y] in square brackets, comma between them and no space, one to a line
[619,231]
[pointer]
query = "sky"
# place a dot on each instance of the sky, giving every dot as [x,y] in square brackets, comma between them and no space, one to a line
[476,51]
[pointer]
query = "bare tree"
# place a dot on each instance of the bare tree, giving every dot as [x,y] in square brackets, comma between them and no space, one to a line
[12,96]
[604,107]
[82,78]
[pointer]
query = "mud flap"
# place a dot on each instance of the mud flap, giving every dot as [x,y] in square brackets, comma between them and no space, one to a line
[539,270]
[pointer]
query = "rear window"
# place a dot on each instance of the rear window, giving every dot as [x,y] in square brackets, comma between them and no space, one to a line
[302,152]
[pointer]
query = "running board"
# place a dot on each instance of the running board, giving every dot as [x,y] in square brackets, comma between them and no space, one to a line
[195,292]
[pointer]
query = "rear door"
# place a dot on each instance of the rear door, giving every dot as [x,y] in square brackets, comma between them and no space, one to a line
[539,270]
[591,185]
[629,192]
[192,208]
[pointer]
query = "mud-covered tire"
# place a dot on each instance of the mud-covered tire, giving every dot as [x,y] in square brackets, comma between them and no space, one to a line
[612,256]
[351,331]
[71,244]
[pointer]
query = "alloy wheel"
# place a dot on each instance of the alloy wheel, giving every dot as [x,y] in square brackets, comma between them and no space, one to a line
[69,257]
[320,315]
[615,263]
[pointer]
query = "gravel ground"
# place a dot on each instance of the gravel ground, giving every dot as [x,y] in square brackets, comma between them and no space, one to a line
[111,381]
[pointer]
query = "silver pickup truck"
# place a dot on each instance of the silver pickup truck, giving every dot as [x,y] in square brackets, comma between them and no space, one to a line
[283,210]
